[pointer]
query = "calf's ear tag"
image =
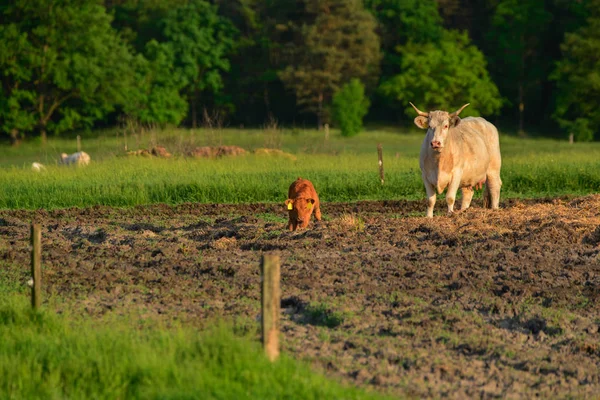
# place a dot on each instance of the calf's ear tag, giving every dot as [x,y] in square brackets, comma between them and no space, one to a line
[290,206]
[308,206]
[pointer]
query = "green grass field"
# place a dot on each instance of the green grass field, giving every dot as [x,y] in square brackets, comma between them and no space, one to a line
[341,169]
[43,356]
[49,356]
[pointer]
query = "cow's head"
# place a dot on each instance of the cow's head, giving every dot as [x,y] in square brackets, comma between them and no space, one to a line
[300,210]
[437,124]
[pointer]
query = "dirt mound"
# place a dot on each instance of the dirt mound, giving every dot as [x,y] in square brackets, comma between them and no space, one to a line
[156,151]
[214,152]
[275,153]
[140,152]
[478,305]
[160,151]
[205,152]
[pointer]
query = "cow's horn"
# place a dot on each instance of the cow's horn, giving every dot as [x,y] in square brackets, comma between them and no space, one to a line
[455,113]
[421,113]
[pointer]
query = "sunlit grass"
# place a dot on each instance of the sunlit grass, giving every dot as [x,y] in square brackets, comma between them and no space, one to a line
[341,169]
[45,356]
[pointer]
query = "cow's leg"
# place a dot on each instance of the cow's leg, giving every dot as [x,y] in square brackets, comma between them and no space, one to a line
[451,192]
[290,225]
[467,196]
[493,185]
[487,197]
[431,195]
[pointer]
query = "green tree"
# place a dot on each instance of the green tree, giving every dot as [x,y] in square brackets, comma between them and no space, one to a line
[578,78]
[336,42]
[514,45]
[201,41]
[473,16]
[350,107]
[417,21]
[138,22]
[441,75]
[413,36]
[252,83]
[71,69]
[16,103]
[157,98]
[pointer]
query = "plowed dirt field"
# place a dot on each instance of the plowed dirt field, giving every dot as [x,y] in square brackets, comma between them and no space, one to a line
[481,304]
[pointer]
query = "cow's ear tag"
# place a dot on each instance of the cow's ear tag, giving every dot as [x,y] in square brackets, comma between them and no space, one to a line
[308,206]
[290,207]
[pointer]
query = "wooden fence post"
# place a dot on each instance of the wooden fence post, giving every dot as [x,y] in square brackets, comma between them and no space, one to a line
[78,143]
[380,155]
[36,266]
[571,138]
[271,302]
[326,132]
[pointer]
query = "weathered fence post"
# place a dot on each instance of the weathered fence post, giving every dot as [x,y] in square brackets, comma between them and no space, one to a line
[571,138]
[326,132]
[78,143]
[271,302]
[380,155]
[36,266]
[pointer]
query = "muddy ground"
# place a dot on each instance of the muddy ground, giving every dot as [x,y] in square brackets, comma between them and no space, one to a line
[482,304]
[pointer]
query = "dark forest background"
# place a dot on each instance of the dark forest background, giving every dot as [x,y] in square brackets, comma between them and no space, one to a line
[530,66]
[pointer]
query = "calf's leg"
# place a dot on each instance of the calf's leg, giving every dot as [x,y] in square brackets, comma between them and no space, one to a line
[318,212]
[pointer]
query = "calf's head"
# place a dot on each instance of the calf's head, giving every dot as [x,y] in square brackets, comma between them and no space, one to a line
[437,124]
[300,210]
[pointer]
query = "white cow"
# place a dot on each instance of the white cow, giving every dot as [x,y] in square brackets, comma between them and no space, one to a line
[459,154]
[79,158]
[37,167]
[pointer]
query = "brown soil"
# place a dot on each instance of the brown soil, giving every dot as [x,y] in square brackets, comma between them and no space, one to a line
[482,304]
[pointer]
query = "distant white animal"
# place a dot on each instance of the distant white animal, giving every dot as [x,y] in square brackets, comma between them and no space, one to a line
[36,166]
[79,158]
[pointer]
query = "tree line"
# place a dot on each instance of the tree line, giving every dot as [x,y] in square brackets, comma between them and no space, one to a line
[527,65]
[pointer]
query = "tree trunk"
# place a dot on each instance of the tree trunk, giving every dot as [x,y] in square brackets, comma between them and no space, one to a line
[194,115]
[41,121]
[15,138]
[266,99]
[521,109]
[43,135]
[320,112]
[521,94]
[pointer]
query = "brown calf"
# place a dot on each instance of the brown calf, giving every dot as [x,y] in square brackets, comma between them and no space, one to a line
[302,200]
